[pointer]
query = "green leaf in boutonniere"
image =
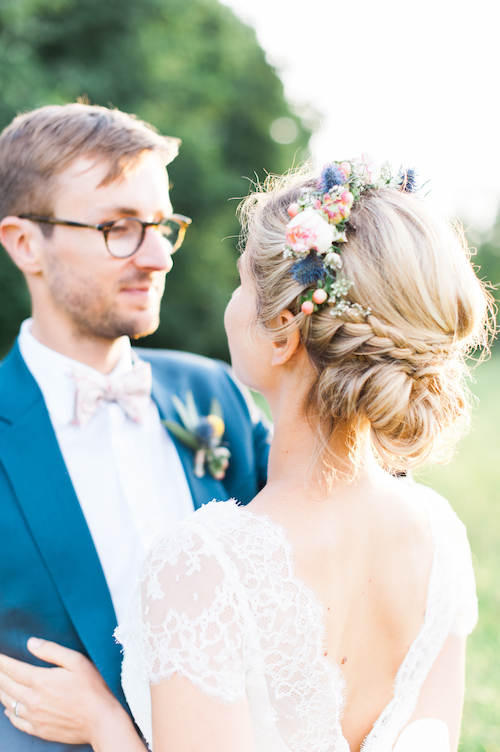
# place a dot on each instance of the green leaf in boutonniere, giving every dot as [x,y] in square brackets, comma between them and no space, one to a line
[180,432]
[203,434]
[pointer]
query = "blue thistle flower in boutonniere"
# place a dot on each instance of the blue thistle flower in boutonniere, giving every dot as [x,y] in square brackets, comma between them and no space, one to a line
[203,434]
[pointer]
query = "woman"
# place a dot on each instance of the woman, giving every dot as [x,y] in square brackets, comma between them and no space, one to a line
[331,613]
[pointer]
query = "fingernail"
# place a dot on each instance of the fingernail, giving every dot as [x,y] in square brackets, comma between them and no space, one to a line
[34,642]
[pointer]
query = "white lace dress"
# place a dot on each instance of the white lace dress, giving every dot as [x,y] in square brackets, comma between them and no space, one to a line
[220,604]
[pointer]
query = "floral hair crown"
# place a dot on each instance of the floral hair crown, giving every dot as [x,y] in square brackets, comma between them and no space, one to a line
[317,230]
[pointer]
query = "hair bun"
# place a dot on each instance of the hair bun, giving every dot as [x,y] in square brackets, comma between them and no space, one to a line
[399,369]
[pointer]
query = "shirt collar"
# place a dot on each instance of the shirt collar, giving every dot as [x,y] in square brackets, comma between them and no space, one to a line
[52,371]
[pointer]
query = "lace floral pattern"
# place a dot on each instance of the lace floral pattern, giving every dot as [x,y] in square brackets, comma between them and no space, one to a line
[220,604]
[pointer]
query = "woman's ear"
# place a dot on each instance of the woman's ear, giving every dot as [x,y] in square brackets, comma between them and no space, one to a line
[21,243]
[285,348]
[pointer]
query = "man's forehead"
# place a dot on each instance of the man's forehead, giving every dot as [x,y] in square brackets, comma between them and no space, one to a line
[86,167]
[95,169]
[145,183]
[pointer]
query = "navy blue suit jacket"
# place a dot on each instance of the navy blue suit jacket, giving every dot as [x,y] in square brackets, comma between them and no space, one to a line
[51,581]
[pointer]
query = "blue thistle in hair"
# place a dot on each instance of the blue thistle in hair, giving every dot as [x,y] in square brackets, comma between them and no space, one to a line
[330,175]
[308,271]
[408,180]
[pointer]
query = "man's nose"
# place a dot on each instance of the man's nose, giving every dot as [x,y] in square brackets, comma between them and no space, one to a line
[155,252]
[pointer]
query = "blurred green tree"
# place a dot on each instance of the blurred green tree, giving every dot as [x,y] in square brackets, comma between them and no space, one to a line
[487,258]
[194,71]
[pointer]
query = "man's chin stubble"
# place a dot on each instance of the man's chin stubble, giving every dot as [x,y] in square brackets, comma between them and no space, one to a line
[94,319]
[146,332]
[111,327]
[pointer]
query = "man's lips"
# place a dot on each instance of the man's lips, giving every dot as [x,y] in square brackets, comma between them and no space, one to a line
[136,290]
[142,289]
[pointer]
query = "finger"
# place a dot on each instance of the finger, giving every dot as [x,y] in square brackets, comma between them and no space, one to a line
[21,723]
[15,690]
[52,652]
[19,671]
[8,700]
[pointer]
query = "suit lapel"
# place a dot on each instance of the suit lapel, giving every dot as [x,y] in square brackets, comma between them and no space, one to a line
[32,459]
[202,489]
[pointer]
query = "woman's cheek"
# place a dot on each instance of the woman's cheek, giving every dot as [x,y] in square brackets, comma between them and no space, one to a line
[230,313]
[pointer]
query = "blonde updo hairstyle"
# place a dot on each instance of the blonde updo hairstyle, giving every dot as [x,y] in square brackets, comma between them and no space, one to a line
[398,373]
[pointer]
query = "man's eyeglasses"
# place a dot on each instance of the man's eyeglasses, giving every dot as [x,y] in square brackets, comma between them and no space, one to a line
[123,237]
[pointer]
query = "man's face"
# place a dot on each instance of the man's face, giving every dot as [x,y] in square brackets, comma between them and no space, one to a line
[100,295]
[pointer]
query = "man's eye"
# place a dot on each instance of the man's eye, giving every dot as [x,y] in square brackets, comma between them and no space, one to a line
[119,230]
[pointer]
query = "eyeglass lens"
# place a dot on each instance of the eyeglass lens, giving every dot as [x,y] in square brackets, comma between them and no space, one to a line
[125,236]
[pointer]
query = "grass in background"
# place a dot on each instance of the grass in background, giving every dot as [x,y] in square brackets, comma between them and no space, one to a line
[471,482]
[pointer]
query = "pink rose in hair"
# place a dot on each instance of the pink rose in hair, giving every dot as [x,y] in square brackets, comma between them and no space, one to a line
[338,208]
[309,230]
[346,168]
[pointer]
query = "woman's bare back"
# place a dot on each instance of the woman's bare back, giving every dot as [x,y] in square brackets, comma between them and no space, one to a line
[367,553]
[259,607]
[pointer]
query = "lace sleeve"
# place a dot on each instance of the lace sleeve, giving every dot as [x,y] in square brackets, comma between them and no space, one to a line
[192,614]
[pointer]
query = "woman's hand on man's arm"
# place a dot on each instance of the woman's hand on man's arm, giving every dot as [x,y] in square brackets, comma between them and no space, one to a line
[70,703]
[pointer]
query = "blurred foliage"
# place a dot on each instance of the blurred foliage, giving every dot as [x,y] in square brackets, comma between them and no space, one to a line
[487,259]
[194,71]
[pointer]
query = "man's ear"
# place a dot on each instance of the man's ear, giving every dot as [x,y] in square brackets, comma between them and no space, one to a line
[285,348]
[22,242]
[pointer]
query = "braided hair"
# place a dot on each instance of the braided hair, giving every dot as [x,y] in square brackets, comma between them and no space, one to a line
[399,371]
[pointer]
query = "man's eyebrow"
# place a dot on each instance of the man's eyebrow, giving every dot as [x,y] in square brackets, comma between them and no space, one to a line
[127,211]
[119,210]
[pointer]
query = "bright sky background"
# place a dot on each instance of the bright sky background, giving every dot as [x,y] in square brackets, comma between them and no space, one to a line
[413,81]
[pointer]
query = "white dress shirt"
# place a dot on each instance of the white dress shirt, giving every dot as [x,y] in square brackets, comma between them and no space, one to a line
[127,476]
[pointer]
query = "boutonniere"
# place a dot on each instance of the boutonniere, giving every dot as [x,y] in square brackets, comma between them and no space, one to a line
[203,434]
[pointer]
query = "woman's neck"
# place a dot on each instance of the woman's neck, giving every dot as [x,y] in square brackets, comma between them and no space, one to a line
[297,455]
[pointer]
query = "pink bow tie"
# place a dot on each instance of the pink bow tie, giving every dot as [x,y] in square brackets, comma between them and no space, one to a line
[131,390]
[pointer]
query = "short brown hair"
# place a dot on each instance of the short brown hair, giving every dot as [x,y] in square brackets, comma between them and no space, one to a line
[38,145]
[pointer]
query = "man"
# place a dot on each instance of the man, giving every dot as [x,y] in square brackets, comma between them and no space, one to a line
[88,473]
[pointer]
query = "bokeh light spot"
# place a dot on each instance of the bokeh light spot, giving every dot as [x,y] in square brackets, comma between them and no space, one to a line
[284,130]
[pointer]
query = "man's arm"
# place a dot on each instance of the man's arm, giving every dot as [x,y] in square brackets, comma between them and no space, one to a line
[70,703]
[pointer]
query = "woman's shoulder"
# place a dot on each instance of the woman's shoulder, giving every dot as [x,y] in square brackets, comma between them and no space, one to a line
[420,513]
[220,529]
[450,534]
[452,545]
[441,515]
[216,518]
